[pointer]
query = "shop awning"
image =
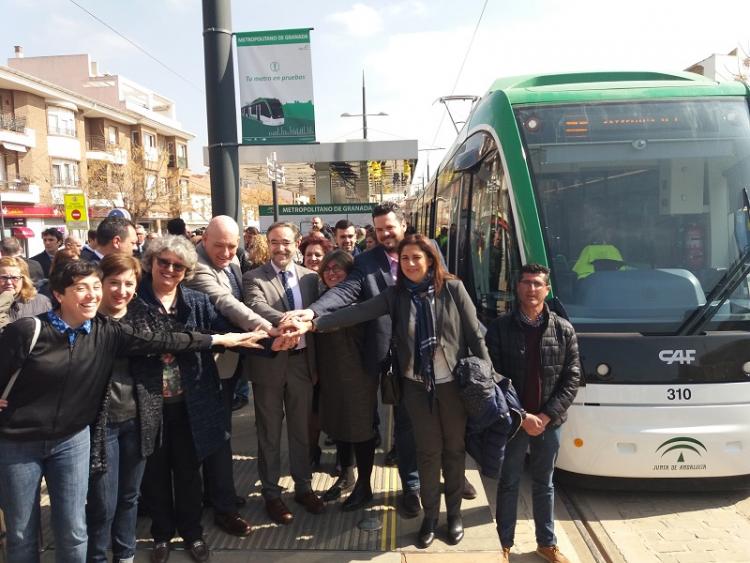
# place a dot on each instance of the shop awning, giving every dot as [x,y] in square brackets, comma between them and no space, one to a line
[14,147]
[22,232]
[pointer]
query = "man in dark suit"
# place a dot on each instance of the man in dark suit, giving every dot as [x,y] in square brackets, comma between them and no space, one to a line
[114,234]
[52,239]
[283,385]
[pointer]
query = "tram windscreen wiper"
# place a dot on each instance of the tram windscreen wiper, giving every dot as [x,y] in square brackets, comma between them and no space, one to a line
[731,279]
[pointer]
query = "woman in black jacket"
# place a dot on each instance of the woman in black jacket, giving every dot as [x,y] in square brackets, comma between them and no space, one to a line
[434,326]
[348,396]
[58,391]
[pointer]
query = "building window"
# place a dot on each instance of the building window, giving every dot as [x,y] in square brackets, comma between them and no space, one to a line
[149,140]
[184,191]
[65,173]
[151,187]
[182,155]
[61,121]
[112,135]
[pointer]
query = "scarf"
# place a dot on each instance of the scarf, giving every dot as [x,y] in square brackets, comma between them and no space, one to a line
[425,342]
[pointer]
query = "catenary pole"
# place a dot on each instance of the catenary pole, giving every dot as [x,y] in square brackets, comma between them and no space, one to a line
[220,108]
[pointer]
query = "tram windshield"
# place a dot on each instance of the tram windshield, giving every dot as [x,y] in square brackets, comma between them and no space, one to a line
[643,208]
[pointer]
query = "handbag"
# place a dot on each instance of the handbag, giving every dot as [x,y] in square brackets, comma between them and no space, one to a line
[12,380]
[390,380]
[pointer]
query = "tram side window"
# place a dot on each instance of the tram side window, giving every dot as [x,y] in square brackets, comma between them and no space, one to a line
[495,260]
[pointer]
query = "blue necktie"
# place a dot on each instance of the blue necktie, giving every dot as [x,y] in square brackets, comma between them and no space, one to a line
[287,290]
[233,283]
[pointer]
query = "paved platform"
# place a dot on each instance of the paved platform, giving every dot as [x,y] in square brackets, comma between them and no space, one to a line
[334,536]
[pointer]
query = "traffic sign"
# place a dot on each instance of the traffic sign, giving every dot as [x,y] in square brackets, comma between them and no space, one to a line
[76,211]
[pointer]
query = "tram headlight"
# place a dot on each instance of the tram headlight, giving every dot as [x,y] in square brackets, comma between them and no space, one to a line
[603,371]
[533,124]
[746,368]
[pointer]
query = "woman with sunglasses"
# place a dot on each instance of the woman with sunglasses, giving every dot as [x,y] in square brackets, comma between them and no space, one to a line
[188,397]
[348,396]
[14,278]
[61,381]
[434,325]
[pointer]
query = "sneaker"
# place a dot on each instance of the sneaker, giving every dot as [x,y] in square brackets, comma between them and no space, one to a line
[551,553]
[505,555]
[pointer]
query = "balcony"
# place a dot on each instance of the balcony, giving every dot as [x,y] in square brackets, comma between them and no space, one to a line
[58,193]
[62,129]
[18,189]
[98,148]
[10,122]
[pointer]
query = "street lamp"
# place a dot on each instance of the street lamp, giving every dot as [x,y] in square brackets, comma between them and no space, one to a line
[364,113]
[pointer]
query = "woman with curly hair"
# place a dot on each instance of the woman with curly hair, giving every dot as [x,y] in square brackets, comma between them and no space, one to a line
[14,278]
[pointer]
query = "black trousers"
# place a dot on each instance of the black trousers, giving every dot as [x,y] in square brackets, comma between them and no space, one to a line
[174,466]
[218,472]
[439,434]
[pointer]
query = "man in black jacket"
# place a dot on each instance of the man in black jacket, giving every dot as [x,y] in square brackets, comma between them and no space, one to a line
[52,239]
[538,351]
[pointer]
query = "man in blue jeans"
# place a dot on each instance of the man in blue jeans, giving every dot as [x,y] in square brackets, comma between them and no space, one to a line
[538,351]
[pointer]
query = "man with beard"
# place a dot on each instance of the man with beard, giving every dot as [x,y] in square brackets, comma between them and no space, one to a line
[283,384]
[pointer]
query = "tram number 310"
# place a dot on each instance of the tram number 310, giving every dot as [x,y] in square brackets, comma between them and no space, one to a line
[679,394]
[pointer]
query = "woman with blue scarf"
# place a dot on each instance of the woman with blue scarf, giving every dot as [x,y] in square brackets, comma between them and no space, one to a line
[434,326]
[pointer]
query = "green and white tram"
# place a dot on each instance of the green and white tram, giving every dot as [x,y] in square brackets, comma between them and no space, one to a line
[633,188]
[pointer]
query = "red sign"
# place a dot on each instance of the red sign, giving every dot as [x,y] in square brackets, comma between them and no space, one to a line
[29,211]
[76,214]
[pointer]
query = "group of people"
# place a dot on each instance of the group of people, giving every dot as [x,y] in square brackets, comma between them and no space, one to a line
[317,320]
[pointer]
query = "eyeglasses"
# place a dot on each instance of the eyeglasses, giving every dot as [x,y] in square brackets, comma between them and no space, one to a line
[12,279]
[533,284]
[333,269]
[166,264]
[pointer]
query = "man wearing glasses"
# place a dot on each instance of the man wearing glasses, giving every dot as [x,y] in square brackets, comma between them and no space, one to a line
[538,351]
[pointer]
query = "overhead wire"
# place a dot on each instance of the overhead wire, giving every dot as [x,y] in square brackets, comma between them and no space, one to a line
[461,69]
[134,44]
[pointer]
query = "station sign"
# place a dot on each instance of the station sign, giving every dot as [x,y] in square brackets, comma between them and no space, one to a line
[76,212]
[301,215]
[276,88]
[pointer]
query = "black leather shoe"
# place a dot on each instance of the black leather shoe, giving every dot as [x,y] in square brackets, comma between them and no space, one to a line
[410,505]
[455,529]
[426,533]
[233,524]
[199,551]
[469,492]
[343,484]
[238,403]
[160,554]
[360,497]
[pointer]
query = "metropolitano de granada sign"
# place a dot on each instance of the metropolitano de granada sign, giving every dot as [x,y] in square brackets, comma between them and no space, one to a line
[276,88]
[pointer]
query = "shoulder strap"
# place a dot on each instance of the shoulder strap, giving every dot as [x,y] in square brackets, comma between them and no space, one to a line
[12,381]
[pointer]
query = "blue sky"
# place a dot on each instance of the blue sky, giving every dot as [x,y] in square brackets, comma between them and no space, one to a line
[410,50]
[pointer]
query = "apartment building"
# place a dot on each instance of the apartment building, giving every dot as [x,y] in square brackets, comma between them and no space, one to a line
[64,127]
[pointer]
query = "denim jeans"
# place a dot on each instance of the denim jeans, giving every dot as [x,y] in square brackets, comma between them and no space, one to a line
[406,449]
[112,506]
[542,456]
[64,464]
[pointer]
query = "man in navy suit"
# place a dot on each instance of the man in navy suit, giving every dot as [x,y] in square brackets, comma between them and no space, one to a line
[52,239]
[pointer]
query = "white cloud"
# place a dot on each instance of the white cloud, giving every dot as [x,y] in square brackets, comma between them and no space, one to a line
[361,20]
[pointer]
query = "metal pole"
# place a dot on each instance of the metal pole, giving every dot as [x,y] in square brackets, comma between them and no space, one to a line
[364,108]
[220,108]
[275,193]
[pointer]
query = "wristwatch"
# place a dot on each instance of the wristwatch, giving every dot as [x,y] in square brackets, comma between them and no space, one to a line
[523,414]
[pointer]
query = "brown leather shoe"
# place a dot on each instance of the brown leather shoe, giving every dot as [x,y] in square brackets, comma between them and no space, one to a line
[551,553]
[505,555]
[232,524]
[160,554]
[278,511]
[311,502]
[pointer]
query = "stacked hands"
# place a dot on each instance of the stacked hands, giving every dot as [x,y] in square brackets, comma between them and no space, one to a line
[300,318]
[285,336]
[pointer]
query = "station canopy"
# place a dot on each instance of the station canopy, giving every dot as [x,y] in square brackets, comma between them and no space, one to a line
[358,171]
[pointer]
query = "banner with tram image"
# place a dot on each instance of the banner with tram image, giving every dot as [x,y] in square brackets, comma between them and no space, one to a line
[276,88]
